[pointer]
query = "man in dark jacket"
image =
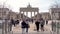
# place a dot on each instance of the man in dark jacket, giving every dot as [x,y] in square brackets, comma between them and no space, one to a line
[37,25]
[23,26]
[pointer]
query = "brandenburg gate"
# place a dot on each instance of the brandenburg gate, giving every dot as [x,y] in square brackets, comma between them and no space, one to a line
[28,9]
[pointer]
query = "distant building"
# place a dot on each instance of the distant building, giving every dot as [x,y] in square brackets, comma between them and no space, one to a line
[3,13]
[46,15]
[22,15]
[55,13]
[37,16]
[13,15]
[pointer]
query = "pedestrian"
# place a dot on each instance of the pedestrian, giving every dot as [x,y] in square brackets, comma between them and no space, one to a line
[10,25]
[46,22]
[32,20]
[42,22]
[17,22]
[37,25]
[23,26]
[13,22]
[27,26]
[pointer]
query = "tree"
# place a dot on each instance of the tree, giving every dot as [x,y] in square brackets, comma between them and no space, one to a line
[56,4]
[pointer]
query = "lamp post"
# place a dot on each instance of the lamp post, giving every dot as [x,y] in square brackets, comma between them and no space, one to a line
[4,31]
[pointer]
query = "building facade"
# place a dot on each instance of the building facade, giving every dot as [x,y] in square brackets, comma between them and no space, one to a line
[3,13]
[55,13]
[46,16]
[13,15]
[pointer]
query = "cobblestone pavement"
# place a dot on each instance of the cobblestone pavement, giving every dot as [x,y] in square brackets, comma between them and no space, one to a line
[18,30]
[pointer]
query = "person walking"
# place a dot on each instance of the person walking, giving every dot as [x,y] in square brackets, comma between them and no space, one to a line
[37,25]
[13,22]
[9,25]
[27,26]
[42,22]
[17,22]
[23,26]
[46,22]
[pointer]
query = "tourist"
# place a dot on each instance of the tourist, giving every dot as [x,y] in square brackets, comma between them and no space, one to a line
[23,26]
[46,22]
[13,22]
[42,22]
[37,25]
[32,20]
[17,22]
[27,26]
[10,24]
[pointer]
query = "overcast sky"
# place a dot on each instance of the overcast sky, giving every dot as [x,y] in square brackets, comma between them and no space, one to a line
[43,5]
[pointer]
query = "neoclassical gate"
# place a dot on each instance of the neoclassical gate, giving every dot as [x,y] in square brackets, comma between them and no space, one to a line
[28,9]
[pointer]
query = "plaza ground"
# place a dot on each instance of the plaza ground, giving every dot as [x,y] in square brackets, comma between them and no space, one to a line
[18,28]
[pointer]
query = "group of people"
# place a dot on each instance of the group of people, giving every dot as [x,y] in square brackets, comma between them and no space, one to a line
[14,22]
[25,24]
[38,23]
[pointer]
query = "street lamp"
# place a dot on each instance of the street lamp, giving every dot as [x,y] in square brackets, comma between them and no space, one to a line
[4,30]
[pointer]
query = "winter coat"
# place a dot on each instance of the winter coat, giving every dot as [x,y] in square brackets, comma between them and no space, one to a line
[23,25]
[42,22]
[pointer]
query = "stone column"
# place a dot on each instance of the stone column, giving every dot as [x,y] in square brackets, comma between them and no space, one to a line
[37,14]
[27,14]
[34,13]
[20,15]
[31,14]
[5,26]
[23,14]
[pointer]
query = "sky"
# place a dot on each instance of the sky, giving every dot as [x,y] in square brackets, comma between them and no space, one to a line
[15,5]
[43,5]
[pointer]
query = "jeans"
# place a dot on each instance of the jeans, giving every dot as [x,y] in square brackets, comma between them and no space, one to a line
[27,30]
[23,30]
